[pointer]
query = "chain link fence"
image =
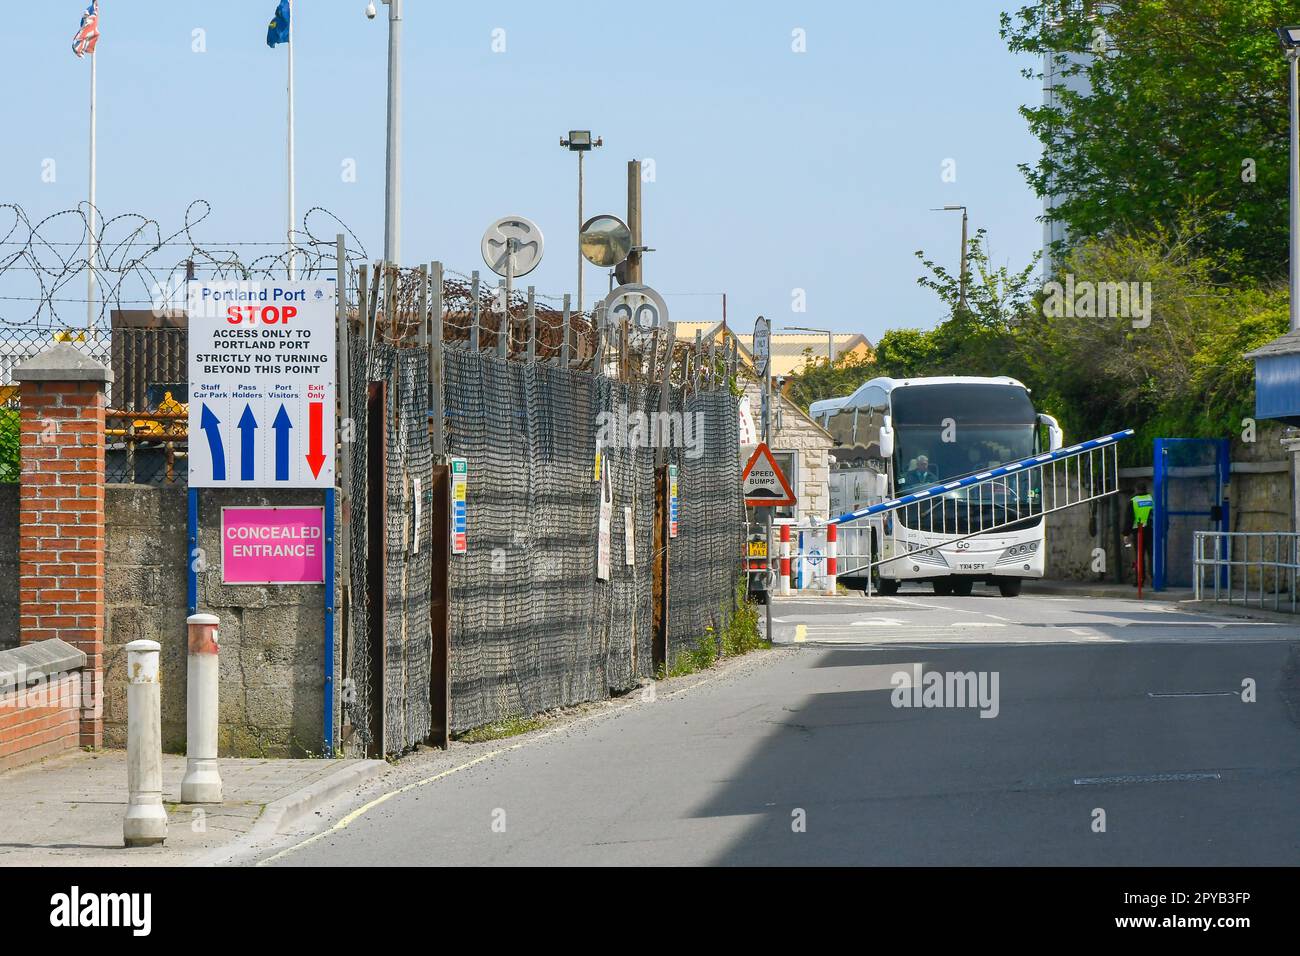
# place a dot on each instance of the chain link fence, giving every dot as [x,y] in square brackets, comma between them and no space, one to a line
[533,627]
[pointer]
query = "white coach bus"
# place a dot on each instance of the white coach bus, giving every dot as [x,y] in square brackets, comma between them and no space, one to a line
[896,436]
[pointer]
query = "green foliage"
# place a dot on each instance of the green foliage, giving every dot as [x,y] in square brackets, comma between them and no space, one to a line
[1179,96]
[1183,375]
[500,729]
[740,636]
[9,462]
[821,379]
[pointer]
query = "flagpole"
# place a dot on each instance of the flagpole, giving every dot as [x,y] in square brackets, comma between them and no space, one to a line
[90,242]
[293,256]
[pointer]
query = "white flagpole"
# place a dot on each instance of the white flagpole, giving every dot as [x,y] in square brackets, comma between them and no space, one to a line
[293,256]
[90,241]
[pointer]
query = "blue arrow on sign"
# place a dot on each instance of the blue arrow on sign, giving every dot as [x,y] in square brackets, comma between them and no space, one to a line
[247,434]
[282,426]
[210,425]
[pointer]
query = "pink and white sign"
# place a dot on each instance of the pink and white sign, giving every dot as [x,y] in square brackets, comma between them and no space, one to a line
[263,545]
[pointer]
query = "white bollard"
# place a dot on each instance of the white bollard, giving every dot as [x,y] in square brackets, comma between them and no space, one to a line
[146,820]
[202,783]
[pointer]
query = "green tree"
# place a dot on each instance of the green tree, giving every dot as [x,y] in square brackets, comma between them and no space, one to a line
[1187,110]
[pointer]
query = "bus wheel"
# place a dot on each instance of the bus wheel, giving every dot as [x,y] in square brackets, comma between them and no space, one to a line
[943,586]
[886,586]
[1010,587]
[962,587]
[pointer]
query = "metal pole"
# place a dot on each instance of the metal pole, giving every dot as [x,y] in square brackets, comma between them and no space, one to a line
[580,231]
[963,258]
[474,313]
[90,242]
[1294,56]
[329,623]
[393,182]
[435,360]
[564,335]
[293,258]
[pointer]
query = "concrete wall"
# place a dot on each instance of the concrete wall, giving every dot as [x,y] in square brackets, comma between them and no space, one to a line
[272,637]
[8,566]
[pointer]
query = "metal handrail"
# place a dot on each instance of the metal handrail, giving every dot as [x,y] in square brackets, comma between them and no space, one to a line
[1231,550]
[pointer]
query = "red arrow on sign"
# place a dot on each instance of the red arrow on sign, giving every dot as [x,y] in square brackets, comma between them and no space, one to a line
[316,454]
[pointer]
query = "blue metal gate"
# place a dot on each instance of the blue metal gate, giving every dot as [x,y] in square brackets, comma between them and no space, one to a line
[1191,494]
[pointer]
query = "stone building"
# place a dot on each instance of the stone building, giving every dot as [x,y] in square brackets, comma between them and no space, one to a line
[802,449]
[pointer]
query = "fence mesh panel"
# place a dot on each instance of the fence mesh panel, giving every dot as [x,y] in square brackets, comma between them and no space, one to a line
[532,627]
[704,557]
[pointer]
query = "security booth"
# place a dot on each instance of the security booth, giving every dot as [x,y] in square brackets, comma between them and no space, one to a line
[1277,393]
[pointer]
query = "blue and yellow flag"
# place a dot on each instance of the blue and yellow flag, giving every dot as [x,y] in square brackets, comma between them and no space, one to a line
[278,29]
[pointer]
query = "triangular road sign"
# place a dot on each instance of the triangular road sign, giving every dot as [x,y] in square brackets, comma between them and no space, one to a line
[762,482]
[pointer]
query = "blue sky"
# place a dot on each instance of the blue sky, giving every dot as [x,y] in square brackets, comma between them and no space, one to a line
[774,170]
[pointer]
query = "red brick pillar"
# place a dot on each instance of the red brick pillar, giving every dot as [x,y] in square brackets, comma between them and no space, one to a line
[61,511]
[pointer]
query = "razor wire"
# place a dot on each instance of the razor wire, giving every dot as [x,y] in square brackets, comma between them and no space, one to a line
[44,262]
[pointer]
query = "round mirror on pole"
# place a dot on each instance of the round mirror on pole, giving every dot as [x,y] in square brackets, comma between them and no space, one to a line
[605,240]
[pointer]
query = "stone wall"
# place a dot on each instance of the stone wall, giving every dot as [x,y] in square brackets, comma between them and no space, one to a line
[272,637]
[1259,497]
[812,446]
[8,566]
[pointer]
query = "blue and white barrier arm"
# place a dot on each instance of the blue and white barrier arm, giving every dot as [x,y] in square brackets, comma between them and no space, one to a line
[1001,471]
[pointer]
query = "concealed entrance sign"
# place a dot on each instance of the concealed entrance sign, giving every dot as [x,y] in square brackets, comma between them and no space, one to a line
[763,483]
[261,545]
[261,368]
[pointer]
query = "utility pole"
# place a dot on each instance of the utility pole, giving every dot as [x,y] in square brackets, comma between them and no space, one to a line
[634,270]
[962,260]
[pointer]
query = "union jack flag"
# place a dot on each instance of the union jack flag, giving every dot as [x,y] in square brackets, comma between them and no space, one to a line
[86,38]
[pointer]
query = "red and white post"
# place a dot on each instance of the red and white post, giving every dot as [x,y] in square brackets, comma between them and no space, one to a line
[783,585]
[832,552]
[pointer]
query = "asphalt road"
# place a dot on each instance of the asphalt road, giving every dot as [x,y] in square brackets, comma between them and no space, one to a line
[1121,713]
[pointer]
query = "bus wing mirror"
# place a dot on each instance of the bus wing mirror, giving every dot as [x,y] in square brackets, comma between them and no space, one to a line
[1055,436]
[886,441]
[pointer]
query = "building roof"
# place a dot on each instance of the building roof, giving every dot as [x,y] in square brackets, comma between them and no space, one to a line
[791,351]
[1288,344]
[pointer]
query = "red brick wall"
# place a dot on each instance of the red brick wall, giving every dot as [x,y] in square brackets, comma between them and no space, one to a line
[61,524]
[37,722]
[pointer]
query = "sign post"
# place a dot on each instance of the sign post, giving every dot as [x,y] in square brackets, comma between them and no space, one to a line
[262,414]
[763,366]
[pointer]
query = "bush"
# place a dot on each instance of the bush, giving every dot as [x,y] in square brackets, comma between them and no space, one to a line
[8,445]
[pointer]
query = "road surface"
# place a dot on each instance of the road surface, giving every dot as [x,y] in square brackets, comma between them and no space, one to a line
[1118,735]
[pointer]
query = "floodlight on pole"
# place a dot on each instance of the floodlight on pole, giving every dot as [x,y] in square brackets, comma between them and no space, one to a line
[392,176]
[579,141]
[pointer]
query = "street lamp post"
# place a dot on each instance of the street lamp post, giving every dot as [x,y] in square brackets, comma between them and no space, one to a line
[393,173]
[830,340]
[1290,37]
[963,249]
[580,142]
